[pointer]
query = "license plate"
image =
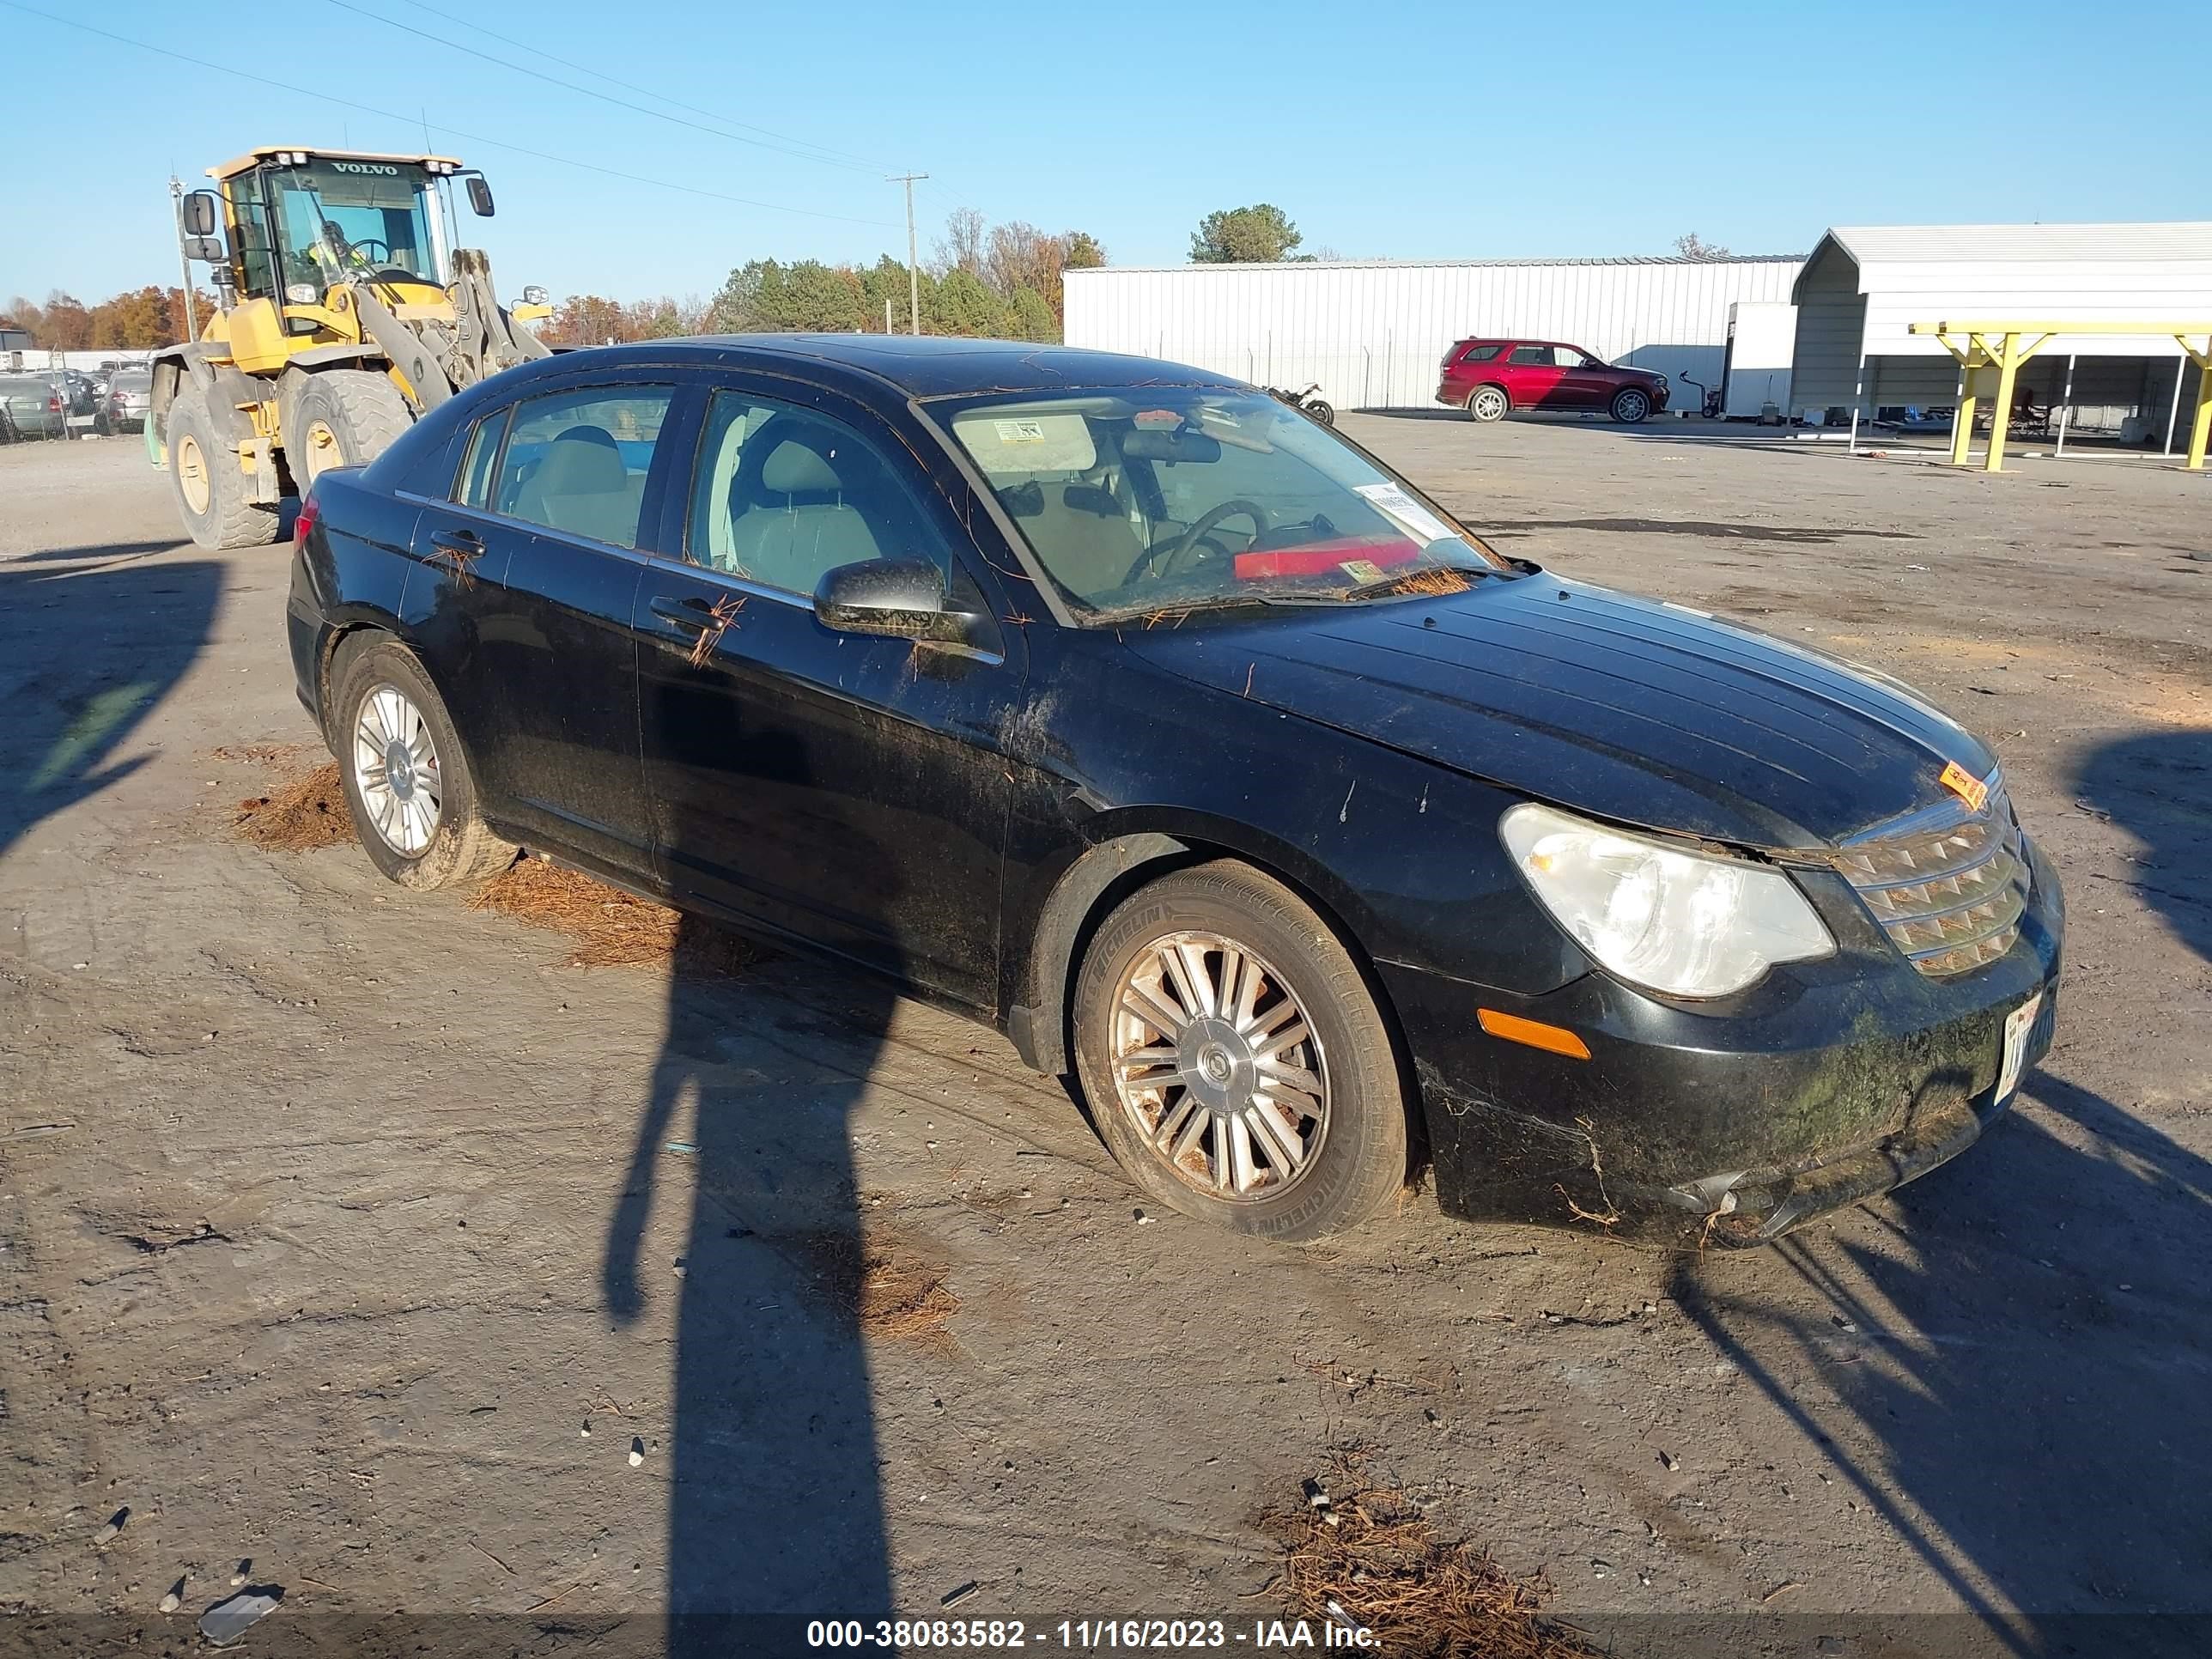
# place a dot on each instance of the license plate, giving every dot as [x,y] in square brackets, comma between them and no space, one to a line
[2019,1024]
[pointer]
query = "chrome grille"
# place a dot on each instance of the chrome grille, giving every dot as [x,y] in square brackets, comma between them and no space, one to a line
[1946,885]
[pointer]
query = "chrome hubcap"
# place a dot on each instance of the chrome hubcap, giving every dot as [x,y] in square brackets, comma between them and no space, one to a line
[395,766]
[1217,1064]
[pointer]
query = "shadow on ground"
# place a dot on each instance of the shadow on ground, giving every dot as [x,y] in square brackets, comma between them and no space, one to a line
[2157,786]
[84,654]
[2010,1371]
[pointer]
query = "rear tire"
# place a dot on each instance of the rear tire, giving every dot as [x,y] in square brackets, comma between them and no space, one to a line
[342,417]
[407,778]
[1631,405]
[209,485]
[1487,404]
[1325,413]
[1314,1131]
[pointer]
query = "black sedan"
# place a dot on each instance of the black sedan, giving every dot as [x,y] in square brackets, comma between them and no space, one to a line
[1124,707]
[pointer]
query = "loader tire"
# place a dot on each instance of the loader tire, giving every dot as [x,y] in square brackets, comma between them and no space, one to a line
[342,417]
[211,492]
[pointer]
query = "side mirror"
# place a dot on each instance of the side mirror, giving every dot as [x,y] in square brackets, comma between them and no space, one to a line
[479,195]
[206,249]
[901,598]
[198,213]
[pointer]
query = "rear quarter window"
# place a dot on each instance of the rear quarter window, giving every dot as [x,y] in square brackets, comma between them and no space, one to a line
[472,488]
[1480,353]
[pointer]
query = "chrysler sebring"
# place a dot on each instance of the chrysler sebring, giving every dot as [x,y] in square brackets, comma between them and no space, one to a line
[1130,711]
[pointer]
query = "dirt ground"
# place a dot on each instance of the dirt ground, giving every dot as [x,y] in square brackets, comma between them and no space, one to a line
[350,1234]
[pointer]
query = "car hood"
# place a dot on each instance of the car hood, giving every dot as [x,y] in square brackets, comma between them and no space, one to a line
[1645,714]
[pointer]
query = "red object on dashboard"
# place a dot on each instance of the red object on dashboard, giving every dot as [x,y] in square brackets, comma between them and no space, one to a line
[1318,558]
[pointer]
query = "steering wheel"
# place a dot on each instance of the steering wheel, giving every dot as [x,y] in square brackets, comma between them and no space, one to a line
[349,252]
[1165,554]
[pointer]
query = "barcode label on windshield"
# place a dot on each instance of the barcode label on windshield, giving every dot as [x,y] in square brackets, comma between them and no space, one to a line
[1408,514]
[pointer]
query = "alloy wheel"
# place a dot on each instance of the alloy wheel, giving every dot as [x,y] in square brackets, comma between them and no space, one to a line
[1488,405]
[1631,406]
[395,767]
[1218,1067]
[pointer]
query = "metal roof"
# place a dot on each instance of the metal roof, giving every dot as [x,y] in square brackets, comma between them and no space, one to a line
[1429,264]
[2039,244]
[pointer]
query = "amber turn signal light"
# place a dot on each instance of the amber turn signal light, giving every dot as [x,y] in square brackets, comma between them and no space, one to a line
[1554,1039]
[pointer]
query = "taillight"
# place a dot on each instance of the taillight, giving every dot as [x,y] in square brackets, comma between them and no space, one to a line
[310,515]
[54,404]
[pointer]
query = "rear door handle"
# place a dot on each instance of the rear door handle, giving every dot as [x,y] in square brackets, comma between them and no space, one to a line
[691,612]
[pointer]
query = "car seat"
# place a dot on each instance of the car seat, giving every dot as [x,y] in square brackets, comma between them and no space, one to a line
[581,486]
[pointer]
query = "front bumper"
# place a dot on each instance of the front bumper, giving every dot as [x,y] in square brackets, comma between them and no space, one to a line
[1823,1085]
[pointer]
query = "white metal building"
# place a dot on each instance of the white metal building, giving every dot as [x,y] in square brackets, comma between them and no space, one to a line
[1373,333]
[1863,287]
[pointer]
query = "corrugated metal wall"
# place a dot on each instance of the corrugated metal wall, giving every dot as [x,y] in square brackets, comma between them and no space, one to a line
[1374,334]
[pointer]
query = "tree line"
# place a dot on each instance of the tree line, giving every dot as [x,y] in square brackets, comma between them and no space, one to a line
[136,320]
[1003,281]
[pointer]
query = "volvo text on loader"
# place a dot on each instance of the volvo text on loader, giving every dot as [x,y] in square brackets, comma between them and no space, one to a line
[346,313]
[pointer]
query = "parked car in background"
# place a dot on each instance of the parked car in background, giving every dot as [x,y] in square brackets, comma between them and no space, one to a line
[1491,376]
[130,395]
[1117,704]
[35,406]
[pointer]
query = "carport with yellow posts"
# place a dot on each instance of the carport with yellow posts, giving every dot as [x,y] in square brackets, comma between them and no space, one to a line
[2104,328]
[1990,354]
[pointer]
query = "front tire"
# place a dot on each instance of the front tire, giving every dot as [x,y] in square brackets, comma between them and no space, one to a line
[342,417]
[1631,405]
[1487,404]
[1235,1060]
[407,778]
[209,485]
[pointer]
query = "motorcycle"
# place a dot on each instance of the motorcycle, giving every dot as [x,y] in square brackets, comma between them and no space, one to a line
[1306,404]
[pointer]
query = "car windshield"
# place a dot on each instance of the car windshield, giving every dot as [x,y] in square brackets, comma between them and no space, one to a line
[1176,498]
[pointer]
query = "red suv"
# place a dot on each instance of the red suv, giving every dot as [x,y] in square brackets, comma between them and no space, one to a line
[1487,378]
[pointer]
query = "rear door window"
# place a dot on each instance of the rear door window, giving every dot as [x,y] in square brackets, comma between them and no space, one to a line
[1535,355]
[577,461]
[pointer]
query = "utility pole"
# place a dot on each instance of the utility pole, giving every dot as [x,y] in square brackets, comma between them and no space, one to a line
[183,260]
[914,276]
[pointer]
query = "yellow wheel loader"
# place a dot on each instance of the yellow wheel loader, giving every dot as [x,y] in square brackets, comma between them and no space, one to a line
[346,313]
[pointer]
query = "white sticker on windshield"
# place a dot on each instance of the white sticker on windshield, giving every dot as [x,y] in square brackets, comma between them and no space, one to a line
[1021,432]
[1408,514]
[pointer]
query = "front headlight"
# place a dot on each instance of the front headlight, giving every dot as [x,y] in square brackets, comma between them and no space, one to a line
[1689,924]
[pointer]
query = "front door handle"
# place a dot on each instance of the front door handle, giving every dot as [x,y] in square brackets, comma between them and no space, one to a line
[458,543]
[692,612]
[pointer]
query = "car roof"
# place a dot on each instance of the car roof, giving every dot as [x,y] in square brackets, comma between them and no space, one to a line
[921,366]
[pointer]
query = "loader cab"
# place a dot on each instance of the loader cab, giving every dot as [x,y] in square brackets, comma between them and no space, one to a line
[301,222]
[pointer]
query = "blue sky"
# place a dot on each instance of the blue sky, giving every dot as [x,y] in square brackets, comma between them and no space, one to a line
[1463,129]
